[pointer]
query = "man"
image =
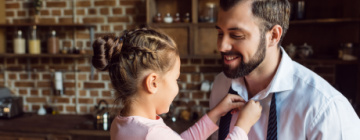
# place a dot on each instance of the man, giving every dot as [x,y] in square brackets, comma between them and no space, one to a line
[255,66]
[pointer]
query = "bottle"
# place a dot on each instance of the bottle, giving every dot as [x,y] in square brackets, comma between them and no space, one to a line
[53,43]
[168,18]
[41,111]
[158,18]
[177,18]
[210,13]
[19,43]
[187,18]
[34,42]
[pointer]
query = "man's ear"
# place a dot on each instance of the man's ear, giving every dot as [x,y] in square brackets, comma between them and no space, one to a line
[275,35]
[151,83]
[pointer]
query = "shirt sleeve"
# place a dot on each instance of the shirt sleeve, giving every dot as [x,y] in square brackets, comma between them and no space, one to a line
[237,134]
[336,120]
[201,130]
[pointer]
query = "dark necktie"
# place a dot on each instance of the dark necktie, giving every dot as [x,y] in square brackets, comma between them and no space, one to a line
[272,124]
[224,125]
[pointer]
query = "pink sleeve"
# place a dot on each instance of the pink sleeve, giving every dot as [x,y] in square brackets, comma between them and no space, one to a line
[237,134]
[201,130]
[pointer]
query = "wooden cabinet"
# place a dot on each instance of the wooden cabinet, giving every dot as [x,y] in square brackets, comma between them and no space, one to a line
[194,39]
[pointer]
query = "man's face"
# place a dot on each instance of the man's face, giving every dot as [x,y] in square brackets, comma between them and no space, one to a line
[240,41]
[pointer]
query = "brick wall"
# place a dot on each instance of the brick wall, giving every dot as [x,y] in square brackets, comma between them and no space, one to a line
[110,16]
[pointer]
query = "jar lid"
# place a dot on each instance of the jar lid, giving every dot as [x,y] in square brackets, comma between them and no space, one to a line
[210,4]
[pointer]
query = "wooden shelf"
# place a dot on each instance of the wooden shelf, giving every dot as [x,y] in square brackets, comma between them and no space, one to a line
[323,21]
[46,25]
[9,55]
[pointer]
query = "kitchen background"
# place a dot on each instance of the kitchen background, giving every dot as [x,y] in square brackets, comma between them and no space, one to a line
[329,28]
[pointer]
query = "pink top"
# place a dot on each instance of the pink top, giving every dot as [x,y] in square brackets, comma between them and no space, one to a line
[140,128]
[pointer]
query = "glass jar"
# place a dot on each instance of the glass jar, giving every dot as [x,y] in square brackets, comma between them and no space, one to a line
[19,43]
[34,42]
[208,13]
[347,52]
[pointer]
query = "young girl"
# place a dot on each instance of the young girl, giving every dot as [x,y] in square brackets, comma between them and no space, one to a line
[144,67]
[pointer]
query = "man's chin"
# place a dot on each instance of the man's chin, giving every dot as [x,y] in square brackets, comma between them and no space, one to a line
[232,74]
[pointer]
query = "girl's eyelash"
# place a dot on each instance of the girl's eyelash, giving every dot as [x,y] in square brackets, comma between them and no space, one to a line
[178,80]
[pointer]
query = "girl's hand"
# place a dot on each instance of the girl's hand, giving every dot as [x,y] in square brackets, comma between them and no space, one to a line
[230,102]
[249,115]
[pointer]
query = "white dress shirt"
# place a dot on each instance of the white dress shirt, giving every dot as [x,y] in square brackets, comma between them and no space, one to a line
[307,106]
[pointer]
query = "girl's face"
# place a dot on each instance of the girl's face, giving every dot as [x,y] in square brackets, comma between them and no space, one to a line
[168,88]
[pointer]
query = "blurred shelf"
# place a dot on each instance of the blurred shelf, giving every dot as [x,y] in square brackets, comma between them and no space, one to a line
[46,25]
[323,21]
[9,55]
[170,25]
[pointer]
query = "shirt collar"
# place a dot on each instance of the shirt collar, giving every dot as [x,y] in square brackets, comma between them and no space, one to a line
[282,81]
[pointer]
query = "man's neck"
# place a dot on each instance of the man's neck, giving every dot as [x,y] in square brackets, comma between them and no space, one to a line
[261,77]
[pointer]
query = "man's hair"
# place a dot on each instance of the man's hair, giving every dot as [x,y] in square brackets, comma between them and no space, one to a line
[270,12]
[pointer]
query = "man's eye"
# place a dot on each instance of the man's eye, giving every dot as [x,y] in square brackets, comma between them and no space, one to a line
[220,35]
[238,36]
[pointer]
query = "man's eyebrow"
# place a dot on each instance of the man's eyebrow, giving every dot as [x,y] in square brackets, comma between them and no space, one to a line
[231,29]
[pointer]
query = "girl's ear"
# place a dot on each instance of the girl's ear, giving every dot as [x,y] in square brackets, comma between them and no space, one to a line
[151,83]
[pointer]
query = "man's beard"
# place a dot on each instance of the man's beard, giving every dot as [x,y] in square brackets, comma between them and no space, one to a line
[246,68]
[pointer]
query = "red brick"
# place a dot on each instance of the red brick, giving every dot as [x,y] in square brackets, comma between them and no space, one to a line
[193,86]
[105,28]
[139,18]
[63,100]
[80,12]
[68,12]
[23,92]
[69,84]
[27,5]
[36,99]
[24,84]
[70,76]
[204,103]
[12,5]
[118,27]
[92,11]
[93,20]
[85,68]
[69,92]
[59,4]
[67,44]
[106,94]
[47,20]
[82,93]
[46,76]
[82,77]
[80,35]
[44,84]
[34,92]
[188,69]
[45,12]
[118,19]
[56,61]
[117,11]
[10,13]
[105,3]
[184,61]
[12,76]
[86,101]
[70,109]
[56,12]
[105,77]
[93,85]
[46,92]
[209,69]
[66,20]
[195,77]
[198,95]
[94,93]
[130,11]
[131,2]
[21,13]
[209,77]
[83,109]
[83,3]
[104,11]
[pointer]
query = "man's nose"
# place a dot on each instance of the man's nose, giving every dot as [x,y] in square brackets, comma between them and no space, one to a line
[224,45]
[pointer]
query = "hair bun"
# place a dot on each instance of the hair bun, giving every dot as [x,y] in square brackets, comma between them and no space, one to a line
[104,48]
